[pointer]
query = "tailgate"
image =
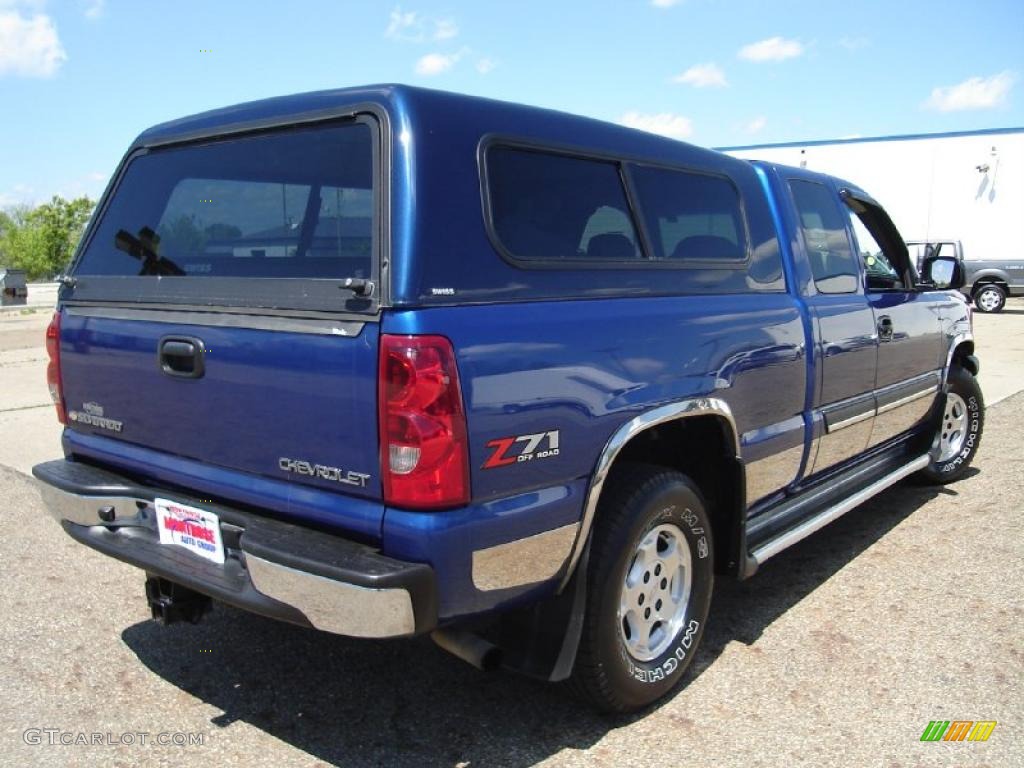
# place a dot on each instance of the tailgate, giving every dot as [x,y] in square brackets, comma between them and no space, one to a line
[287,405]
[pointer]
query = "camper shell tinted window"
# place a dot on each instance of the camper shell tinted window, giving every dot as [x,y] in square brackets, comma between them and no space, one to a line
[550,207]
[273,206]
[691,217]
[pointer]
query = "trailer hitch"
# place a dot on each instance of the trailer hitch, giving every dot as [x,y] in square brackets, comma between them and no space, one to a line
[171,602]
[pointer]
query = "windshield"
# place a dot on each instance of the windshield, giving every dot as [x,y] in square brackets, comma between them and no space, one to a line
[288,204]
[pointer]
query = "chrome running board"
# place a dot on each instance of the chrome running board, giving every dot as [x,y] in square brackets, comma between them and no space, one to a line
[804,529]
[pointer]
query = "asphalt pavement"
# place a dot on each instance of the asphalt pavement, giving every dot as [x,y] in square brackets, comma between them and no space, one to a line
[837,653]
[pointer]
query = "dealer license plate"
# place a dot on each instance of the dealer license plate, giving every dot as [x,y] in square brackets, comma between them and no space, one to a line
[195,529]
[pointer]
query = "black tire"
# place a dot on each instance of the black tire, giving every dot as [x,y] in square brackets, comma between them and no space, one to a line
[637,500]
[946,468]
[990,297]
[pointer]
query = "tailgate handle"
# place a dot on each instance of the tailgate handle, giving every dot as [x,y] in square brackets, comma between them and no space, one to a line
[181,356]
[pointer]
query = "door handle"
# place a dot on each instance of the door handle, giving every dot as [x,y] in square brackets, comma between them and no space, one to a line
[181,356]
[885,328]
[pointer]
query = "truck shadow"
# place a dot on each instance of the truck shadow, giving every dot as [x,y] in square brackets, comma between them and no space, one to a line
[360,703]
[741,610]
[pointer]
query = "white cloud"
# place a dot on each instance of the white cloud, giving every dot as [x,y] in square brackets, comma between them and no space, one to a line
[756,125]
[854,43]
[665,3]
[485,65]
[404,25]
[29,47]
[437,63]
[19,195]
[95,9]
[89,185]
[411,27]
[445,29]
[703,76]
[972,93]
[662,123]
[772,49]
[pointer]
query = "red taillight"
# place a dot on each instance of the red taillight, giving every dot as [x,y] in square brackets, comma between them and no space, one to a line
[53,368]
[424,453]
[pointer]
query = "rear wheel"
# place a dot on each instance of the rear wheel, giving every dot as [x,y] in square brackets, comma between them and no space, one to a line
[959,435]
[649,588]
[990,298]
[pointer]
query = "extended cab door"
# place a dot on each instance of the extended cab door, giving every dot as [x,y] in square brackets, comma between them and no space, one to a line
[910,344]
[845,339]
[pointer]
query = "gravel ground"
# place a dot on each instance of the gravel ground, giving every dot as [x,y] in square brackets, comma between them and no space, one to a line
[838,653]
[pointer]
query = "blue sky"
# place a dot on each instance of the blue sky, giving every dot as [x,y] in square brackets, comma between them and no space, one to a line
[79,79]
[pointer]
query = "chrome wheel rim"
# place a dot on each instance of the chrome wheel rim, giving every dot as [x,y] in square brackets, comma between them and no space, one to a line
[655,593]
[988,299]
[953,431]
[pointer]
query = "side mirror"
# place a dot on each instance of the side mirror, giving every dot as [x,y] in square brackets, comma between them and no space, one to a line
[943,273]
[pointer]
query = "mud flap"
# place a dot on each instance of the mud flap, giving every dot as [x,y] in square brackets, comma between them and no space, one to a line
[541,640]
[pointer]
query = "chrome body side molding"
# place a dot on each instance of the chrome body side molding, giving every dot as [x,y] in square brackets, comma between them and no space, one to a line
[853,418]
[930,390]
[529,560]
[701,406]
[838,425]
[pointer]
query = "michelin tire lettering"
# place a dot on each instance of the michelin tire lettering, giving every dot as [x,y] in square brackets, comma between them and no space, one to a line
[671,664]
[974,410]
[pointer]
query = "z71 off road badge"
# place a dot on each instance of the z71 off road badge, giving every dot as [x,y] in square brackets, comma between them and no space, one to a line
[521,448]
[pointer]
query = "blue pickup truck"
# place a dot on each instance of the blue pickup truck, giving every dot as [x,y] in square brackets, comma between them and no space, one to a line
[388,361]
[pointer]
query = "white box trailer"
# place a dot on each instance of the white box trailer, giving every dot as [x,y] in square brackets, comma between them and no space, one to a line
[965,186]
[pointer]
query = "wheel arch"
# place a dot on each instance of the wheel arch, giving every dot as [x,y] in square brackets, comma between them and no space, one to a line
[961,352]
[658,437]
[993,277]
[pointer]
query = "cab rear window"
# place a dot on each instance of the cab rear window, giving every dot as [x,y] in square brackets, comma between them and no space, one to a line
[292,204]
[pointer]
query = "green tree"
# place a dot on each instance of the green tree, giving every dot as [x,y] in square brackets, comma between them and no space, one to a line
[6,223]
[21,245]
[181,235]
[42,240]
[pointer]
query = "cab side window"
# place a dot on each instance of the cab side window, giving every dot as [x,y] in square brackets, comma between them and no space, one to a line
[878,267]
[887,260]
[823,227]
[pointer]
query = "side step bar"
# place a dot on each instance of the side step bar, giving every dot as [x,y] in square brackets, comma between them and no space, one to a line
[801,531]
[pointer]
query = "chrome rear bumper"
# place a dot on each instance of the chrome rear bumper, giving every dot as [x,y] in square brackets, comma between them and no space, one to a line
[273,568]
